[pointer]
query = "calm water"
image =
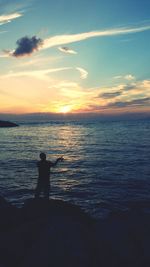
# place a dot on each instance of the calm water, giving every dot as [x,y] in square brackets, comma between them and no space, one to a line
[106,166]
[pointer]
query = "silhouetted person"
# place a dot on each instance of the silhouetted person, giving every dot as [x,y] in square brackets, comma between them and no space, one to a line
[43,184]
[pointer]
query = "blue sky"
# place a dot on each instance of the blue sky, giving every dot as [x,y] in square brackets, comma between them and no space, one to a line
[86,56]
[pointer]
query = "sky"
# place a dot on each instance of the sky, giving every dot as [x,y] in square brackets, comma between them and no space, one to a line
[78,56]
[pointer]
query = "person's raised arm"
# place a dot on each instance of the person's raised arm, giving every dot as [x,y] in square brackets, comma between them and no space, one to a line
[53,164]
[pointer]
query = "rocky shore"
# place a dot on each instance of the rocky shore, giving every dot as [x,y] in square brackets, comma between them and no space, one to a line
[55,233]
[8,124]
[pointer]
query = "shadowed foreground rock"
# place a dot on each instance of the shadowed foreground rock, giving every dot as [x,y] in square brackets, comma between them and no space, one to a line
[45,233]
[55,233]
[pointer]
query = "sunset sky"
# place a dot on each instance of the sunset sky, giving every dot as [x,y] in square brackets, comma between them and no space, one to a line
[74,56]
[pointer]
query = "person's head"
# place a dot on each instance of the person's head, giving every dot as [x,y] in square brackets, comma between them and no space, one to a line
[42,156]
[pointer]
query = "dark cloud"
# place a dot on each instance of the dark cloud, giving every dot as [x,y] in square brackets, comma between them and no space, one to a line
[136,102]
[129,87]
[110,95]
[121,104]
[139,102]
[67,50]
[26,46]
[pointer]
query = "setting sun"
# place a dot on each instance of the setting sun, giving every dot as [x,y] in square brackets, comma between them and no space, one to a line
[65,109]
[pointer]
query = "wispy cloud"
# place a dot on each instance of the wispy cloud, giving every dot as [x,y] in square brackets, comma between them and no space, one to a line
[131,95]
[110,95]
[83,73]
[67,50]
[120,106]
[42,73]
[128,77]
[72,91]
[71,38]
[1,32]
[39,61]
[57,40]
[39,74]
[6,18]
[66,84]
[5,55]
[8,6]
[145,101]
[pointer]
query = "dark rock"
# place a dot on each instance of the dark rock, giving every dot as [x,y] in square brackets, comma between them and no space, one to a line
[47,233]
[56,233]
[125,237]
[8,124]
[9,215]
[40,208]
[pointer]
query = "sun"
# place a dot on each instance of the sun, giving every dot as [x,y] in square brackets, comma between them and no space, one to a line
[65,109]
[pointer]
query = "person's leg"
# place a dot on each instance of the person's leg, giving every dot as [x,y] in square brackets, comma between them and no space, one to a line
[38,190]
[46,190]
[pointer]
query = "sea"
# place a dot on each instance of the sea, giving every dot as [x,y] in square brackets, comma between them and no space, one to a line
[106,164]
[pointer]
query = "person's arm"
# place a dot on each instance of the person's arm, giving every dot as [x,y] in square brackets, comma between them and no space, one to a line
[53,164]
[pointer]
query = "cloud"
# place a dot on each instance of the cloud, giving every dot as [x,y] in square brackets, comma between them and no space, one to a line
[42,74]
[83,73]
[9,17]
[66,39]
[120,105]
[128,77]
[26,46]
[8,6]
[67,50]
[136,88]
[72,92]
[66,84]
[129,87]
[3,32]
[39,74]
[125,96]
[38,60]
[4,55]
[136,102]
[110,95]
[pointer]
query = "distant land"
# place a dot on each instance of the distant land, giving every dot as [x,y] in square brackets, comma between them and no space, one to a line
[45,117]
[8,124]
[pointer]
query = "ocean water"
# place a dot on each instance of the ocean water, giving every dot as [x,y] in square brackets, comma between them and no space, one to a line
[106,165]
